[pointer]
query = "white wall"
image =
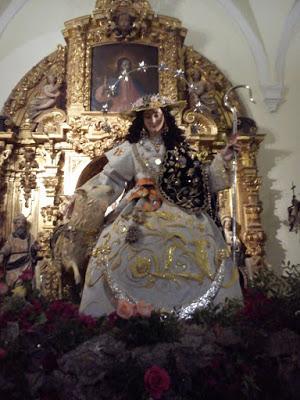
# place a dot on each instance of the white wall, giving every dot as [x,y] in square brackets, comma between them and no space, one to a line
[252,41]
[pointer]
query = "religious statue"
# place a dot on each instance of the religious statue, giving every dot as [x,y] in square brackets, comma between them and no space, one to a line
[201,91]
[6,153]
[294,212]
[126,24]
[159,245]
[47,98]
[18,256]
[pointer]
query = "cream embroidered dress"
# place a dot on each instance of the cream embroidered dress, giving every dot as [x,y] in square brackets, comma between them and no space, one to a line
[151,249]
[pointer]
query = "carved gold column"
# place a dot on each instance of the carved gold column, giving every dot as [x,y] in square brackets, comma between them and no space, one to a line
[75,35]
[249,183]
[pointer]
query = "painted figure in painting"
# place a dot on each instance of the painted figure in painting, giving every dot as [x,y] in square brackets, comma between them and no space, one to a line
[160,245]
[127,91]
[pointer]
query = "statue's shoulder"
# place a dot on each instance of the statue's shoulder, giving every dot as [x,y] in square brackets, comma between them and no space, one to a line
[120,151]
[120,160]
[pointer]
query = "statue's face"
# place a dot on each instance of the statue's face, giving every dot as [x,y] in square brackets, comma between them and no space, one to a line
[154,121]
[20,226]
[123,22]
[227,224]
[51,79]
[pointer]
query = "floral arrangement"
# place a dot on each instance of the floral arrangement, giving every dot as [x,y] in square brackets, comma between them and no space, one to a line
[246,351]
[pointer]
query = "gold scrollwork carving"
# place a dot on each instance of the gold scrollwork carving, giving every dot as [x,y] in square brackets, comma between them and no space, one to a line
[51,214]
[210,86]
[92,136]
[29,166]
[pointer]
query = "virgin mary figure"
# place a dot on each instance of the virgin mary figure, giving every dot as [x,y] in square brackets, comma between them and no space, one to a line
[160,245]
[127,91]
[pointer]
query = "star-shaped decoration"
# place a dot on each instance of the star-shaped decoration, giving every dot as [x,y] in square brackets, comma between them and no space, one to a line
[179,73]
[124,76]
[195,129]
[142,66]
[106,127]
[198,107]
[163,67]
[111,90]
[104,108]
[191,87]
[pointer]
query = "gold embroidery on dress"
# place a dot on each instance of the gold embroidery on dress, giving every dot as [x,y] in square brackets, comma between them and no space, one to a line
[141,267]
[220,256]
[118,152]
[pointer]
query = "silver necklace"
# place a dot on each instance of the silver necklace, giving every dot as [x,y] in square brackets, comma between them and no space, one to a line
[156,141]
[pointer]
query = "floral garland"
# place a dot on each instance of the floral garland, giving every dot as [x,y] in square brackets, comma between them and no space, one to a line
[48,350]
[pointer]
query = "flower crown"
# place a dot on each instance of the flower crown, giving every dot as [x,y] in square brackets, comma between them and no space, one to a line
[152,101]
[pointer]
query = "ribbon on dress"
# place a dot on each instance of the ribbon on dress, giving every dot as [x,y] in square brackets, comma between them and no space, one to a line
[146,190]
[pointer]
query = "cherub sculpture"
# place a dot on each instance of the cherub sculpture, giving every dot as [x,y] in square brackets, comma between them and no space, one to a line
[47,98]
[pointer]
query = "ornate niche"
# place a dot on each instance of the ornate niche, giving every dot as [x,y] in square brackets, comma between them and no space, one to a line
[56,122]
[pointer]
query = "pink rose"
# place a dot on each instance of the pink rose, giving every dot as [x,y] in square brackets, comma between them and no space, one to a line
[125,309]
[143,309]
[157,381]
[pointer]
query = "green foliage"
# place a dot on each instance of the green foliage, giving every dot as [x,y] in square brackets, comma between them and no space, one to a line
[140,331]
[12,304]
[222,314]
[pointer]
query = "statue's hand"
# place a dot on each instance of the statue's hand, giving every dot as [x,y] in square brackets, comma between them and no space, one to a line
[231,148]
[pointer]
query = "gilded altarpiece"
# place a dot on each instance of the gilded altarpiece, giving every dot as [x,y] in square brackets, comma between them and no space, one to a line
[51,135]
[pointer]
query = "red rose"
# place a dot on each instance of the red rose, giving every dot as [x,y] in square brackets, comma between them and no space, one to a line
[112,319]
[3,353]
[27,275]
[88,321]
[60,309]
[157,381]
[257,305]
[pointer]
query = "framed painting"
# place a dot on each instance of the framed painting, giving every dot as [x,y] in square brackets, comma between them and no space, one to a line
[108,63]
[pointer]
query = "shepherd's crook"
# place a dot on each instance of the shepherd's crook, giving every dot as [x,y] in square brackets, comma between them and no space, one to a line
[233,109]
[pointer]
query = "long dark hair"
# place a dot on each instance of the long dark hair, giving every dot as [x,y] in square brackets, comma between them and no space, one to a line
[171,137]
[181,181]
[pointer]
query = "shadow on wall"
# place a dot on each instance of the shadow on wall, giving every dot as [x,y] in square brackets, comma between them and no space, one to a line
[198,41]
[275,253]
